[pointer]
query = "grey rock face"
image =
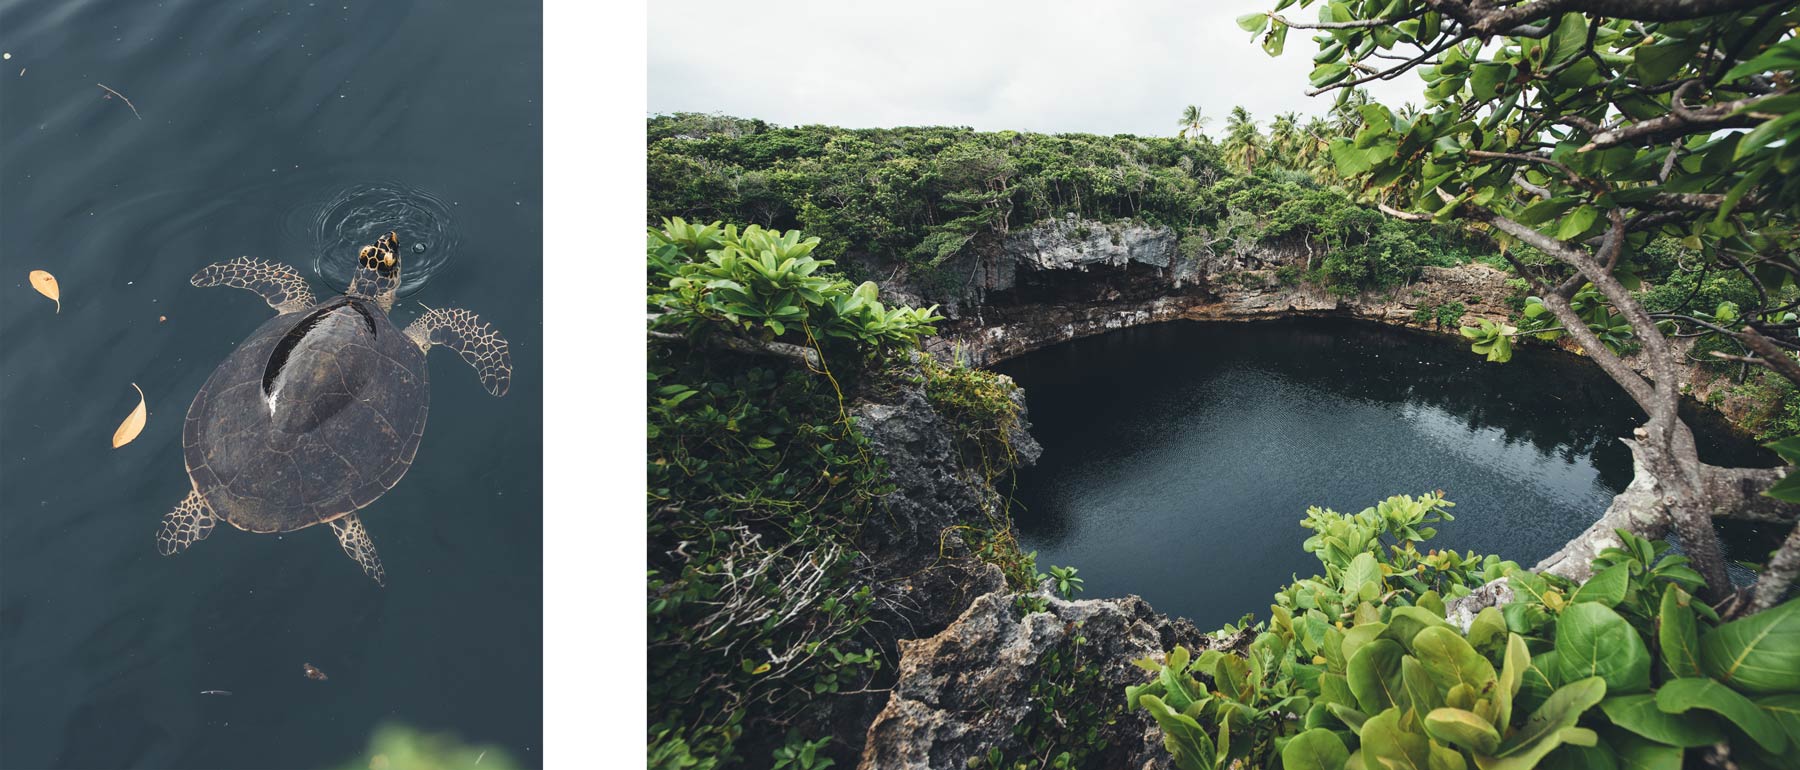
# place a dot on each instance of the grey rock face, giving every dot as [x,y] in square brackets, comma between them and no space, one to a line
[935,489]
[961,692]
[1072,244]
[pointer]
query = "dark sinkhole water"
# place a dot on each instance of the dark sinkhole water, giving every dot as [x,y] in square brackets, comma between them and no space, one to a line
[289,131]
[1180,458]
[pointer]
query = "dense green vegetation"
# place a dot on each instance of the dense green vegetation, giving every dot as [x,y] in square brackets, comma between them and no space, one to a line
[919,197]
[1359,668]
[759,600]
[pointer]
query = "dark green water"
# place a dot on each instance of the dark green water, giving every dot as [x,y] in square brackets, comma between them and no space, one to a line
[288,131]
[1180,458]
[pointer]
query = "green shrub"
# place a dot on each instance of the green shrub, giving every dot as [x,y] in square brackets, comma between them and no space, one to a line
[758,485]
[1360,668]
[707,276]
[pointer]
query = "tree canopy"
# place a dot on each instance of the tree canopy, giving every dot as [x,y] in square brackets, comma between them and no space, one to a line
[1585,129]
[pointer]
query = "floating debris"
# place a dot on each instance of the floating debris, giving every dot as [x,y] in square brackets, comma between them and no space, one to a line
[313,672]
[45,284]
[121,97]
[162,319]
[134,422]
[215,692]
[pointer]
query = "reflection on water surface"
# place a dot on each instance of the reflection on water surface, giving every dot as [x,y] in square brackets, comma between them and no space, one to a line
[1180,458]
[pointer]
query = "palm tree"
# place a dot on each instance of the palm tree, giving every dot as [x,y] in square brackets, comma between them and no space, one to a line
[1313,149]
[1192,123]
[1285,139]
[1243,143]
[1346,115]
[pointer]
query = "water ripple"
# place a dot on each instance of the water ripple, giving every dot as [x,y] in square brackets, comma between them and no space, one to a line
[356,216]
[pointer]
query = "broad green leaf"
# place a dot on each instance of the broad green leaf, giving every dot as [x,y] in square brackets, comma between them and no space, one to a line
[1636,753]
[1593,640]
[1390,746]
[1253,22]
[1606,587]
[1315,749]
[1182,736]
[1576,222]
[1513,665]
[1550,726]
[1639,714]
[1351,718]
[1359,635]
[1488,626]
[1570,756]
[1374,675]
[1682,695]
[1655,63]
[1422,694]
[1537,681]
[1362,578]
[1462,728]
[1759,654]
[1445,758]
[1675,634]
[1405,623]
[1450,661]
[1334,688]
[1785,710]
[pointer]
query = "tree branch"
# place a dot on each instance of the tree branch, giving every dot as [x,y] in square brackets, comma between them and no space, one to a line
[1772,356]
[799,353]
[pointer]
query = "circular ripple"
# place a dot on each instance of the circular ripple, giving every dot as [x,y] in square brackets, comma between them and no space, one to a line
[359,215]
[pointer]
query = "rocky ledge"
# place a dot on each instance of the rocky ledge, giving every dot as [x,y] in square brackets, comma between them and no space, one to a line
[962,692]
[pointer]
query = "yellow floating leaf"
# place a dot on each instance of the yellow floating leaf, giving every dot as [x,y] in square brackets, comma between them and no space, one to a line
[45,284]
[133,424]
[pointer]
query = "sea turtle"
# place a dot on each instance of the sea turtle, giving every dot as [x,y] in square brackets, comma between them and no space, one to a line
[321,409]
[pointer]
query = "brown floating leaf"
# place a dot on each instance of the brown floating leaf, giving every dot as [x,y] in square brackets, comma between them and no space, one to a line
[313,672]
[133,424]
[45,284]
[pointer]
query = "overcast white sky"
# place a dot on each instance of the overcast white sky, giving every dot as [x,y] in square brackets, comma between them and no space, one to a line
[1053,67]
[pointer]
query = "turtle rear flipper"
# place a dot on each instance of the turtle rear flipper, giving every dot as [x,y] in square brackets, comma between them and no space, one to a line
[279,285]
[477,342]
[190,522]
[357,545]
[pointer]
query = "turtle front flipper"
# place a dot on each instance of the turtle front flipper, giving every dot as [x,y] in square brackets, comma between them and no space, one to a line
[358,546]
[478,343]
[190,522]
[279,285]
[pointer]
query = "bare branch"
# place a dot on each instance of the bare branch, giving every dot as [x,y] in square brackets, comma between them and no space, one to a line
[1772,356]
[1407,216]
[1778,575]
[799,353]
[1679,122]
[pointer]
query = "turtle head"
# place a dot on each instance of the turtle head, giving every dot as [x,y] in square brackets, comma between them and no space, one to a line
[378,272]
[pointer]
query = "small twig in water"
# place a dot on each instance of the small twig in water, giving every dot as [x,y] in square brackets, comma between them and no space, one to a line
[121,97]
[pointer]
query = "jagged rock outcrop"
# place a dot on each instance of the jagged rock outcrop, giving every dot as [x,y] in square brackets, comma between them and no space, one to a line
[935,491]
[961,692]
